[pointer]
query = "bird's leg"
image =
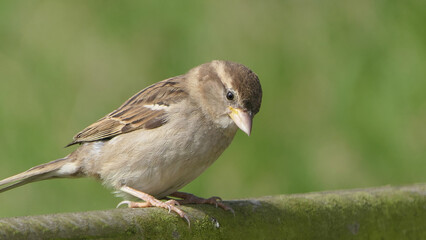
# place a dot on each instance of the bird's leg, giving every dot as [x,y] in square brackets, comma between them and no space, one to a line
[151,201]
[188,198]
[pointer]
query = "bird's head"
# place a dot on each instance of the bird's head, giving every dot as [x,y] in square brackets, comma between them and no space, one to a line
[229,92]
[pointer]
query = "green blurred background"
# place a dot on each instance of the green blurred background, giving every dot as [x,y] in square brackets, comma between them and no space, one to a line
[344,89]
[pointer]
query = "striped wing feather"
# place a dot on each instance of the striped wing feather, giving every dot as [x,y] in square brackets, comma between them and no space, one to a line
[132,115]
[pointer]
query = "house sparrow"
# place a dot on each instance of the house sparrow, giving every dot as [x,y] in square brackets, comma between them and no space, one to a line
[161,138]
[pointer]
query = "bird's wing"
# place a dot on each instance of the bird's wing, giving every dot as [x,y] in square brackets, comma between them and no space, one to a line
[145,110]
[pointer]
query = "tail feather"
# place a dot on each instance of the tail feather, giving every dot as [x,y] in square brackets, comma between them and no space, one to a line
[41,172]
[20,183]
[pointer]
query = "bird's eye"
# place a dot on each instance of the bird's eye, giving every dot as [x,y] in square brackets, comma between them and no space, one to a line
[230,95]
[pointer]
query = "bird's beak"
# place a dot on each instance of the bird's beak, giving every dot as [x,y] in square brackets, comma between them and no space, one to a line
[242,118]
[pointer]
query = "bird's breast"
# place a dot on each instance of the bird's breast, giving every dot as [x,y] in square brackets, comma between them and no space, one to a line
[159,161]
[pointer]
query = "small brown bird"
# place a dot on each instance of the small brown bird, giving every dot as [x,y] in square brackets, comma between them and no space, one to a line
[162,138]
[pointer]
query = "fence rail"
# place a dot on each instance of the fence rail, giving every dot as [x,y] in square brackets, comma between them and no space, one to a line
[374,213]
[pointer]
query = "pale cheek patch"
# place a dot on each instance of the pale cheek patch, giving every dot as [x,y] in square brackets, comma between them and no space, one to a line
[156,107]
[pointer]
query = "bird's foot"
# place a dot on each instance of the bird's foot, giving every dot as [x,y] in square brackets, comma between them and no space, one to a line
[151,201]
[188,198]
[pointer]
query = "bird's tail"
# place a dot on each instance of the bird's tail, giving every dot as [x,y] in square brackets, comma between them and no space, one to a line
[63,167]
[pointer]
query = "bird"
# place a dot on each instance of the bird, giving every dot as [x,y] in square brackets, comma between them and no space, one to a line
[161,138]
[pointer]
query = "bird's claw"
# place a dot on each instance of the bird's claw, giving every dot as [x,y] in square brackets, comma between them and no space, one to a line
[123,202]
[151,201]
[217,201]
[188,198]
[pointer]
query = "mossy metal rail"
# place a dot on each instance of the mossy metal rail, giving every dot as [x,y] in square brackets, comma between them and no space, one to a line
[375,213]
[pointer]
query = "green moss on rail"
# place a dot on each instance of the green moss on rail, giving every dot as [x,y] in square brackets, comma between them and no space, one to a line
[379,213]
